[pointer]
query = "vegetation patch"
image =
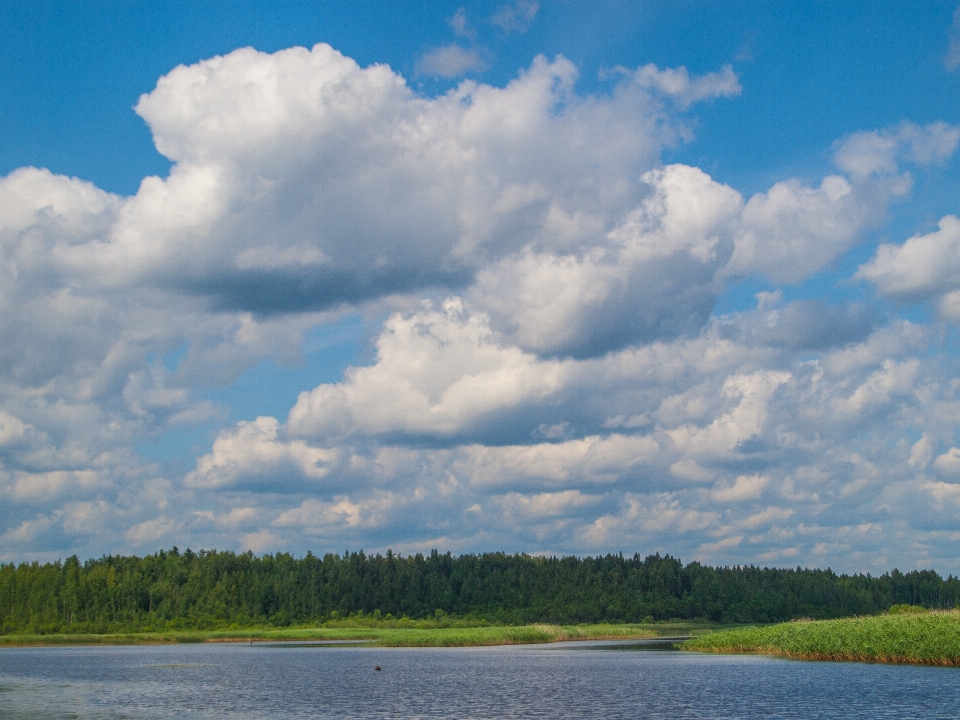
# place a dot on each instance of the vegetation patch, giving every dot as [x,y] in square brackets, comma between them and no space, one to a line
[912,636]
[381,634]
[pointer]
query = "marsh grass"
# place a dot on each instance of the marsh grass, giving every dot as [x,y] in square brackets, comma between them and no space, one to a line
[383,635]
[928,638]
[610,631]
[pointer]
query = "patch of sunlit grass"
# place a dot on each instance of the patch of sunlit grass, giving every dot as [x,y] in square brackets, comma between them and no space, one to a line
[928,638]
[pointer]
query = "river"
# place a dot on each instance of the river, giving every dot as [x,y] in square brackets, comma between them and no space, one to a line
[563,680]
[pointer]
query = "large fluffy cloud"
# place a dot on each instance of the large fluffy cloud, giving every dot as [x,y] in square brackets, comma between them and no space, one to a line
[653,277]
[438,372]
[302,180]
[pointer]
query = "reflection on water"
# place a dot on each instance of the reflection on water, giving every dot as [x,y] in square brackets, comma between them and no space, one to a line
[564,680]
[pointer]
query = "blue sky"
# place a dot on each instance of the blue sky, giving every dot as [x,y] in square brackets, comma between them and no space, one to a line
[548,277]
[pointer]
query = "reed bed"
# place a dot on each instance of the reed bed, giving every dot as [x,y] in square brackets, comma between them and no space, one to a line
[930,638]
[381,636]
[630,632]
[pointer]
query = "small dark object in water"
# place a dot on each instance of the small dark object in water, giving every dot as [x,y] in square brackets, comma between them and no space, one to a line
[376,667]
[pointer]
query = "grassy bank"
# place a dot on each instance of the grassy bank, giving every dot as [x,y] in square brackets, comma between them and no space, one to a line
[382,636]
[931,638]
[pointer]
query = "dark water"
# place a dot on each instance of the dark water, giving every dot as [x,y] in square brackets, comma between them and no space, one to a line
[567,680]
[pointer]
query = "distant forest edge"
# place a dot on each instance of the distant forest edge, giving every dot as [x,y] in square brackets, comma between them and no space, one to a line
[210,590]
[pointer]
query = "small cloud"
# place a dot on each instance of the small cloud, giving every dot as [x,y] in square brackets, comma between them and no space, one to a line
[12,429]
[721,545]
[921,453]
[767,300]
[28,530]
[746,487]
[949,462]
[545,505]
[685,90]
[516,17]
[450,61]
[688,469]
[552,432]
[952,59]
[152,530]
[765,517]
[924,267]
[461,27]
[877,152]
[778,554]
[745,51]
[252,451]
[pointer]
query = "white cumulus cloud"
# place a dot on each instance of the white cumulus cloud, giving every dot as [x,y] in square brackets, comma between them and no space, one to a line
[551,367]
[252,451]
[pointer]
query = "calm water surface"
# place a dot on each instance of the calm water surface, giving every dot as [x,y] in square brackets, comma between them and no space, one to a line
[565,680]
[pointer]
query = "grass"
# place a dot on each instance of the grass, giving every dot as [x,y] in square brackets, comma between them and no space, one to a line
[381,636]
[929,638]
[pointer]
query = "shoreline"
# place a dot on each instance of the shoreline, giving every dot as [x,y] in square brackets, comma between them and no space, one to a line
[837,657]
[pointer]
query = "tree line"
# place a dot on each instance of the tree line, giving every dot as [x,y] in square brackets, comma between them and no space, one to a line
[211,589]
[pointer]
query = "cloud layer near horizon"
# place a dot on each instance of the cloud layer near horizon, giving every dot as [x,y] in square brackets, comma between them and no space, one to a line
[549,372]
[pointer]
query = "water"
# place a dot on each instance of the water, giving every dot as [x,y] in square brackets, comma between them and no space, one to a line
[565,680]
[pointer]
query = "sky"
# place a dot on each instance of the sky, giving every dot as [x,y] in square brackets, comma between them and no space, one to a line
[550,277]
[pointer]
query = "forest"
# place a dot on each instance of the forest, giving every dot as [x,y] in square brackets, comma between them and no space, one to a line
[210,589]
